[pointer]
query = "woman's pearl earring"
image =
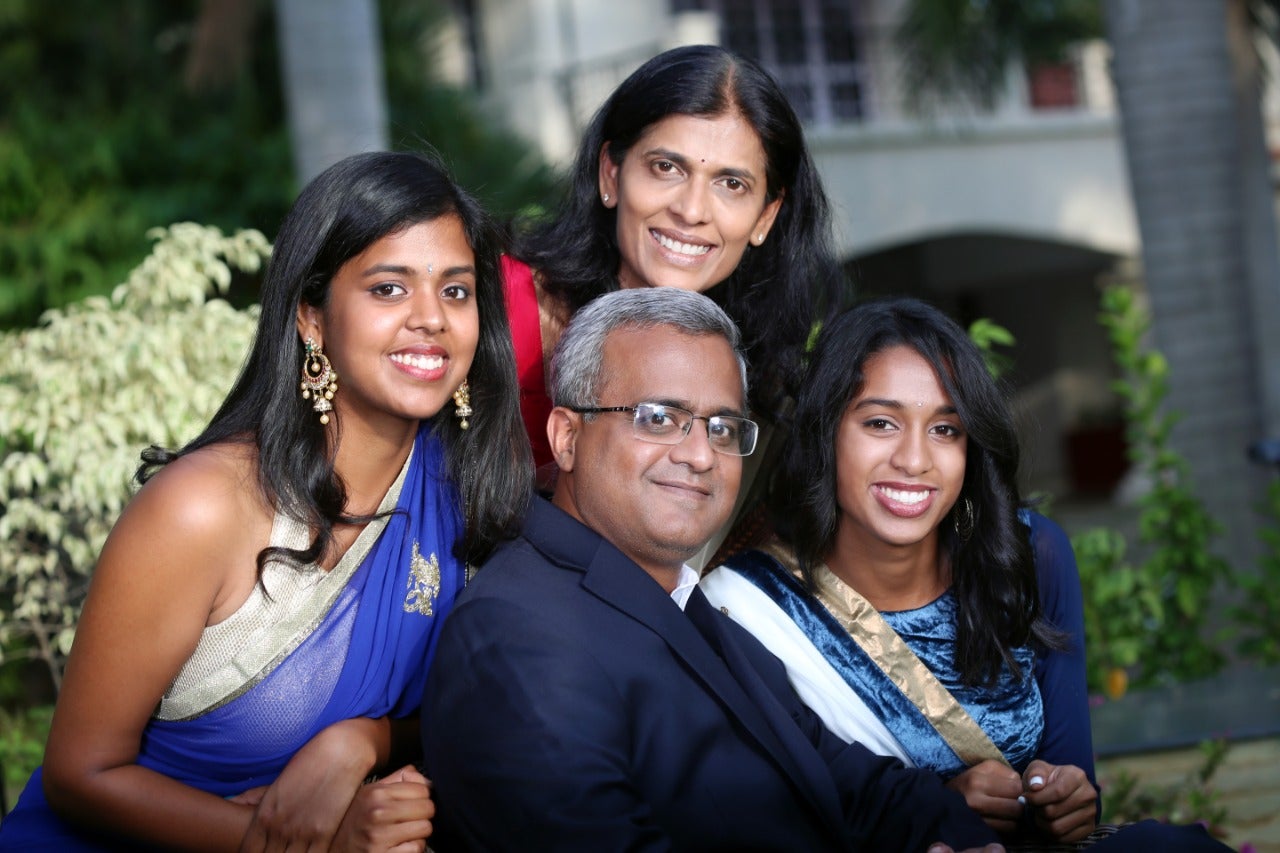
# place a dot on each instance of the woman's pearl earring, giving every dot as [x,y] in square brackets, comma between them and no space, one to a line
[605,199]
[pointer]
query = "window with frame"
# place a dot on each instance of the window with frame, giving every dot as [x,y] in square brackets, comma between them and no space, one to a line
[810,46]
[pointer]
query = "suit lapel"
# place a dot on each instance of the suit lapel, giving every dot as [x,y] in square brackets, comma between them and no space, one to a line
[695,636]
[813,778]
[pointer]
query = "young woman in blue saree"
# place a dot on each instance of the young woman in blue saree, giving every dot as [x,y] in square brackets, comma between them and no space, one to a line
[261,620]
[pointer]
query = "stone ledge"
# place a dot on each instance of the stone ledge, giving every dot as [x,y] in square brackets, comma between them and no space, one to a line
[1240,704]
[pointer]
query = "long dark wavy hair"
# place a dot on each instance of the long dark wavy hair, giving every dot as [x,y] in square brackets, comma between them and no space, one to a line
[343,211]
[993,569]
[779,288]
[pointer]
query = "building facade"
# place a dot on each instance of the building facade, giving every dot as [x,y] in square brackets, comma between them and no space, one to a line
[1018,212]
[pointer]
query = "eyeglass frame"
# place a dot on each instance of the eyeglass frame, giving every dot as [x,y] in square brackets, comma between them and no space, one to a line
[638,432]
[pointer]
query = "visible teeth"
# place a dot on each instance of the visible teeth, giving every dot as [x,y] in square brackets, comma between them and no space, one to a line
[904,497]
[421,362]
[682,248]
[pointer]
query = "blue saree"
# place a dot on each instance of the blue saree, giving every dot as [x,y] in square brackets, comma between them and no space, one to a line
[358,645]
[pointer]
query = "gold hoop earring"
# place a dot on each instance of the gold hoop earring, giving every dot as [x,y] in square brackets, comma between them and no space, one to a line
[462,400]
[319,380]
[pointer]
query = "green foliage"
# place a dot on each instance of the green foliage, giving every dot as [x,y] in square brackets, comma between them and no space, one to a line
[503,171]
[1255,616]
[82,394]
[988,335]
[1117,606]
[100,139]
[22,737]
[963,48]
[1192,799]
[1149,618]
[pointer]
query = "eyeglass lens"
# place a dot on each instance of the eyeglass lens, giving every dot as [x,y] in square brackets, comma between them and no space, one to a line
[670,424]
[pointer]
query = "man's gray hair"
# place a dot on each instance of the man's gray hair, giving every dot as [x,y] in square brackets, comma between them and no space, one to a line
[578,361]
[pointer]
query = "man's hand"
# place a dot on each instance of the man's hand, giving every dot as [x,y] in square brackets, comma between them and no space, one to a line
[1065,803]
[992,789]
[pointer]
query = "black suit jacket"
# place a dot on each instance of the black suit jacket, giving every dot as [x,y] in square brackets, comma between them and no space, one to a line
[573,706]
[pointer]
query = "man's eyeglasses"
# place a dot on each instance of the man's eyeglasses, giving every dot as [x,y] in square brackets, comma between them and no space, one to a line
[661,424]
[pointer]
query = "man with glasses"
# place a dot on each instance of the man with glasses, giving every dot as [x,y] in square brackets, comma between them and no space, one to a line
[585,696]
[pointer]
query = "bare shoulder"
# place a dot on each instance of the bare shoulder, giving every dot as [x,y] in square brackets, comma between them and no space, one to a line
[203,514]
[178,559]
[212,492]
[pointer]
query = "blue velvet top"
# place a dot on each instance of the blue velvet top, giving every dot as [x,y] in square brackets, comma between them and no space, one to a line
[1042,714]
[1060,675]
[1010,711]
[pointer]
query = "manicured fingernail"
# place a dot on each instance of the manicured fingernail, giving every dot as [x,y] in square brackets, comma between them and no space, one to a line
[1022,800]
[1036,780]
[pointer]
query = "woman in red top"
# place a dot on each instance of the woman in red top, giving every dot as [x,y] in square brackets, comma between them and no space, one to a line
[693,174]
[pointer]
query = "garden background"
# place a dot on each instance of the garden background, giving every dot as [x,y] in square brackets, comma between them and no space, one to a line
[146,156]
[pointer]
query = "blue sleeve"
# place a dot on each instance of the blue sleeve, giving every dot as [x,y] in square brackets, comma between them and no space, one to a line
[1060,675]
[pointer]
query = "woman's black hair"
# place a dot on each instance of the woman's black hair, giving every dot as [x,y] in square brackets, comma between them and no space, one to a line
[343,211]
[993,572]
[778,289]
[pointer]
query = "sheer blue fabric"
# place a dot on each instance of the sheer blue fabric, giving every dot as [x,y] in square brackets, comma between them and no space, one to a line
[368,657]
[1010,712]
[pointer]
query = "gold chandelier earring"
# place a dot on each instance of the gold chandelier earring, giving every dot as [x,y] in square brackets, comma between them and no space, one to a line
[462,402]
[319,380]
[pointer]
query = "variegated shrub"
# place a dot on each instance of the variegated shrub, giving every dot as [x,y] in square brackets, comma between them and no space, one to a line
[82,394]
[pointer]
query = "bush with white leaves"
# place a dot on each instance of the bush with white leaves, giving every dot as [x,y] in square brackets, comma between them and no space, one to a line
[82,394]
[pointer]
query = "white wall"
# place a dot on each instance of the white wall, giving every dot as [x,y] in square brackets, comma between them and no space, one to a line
[530,44]
[1060,178]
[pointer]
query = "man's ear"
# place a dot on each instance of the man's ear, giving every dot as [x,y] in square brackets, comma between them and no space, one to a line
[309,323]
[607,178]
[562,433]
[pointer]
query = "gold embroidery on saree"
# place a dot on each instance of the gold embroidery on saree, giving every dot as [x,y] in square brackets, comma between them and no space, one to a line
[424,583]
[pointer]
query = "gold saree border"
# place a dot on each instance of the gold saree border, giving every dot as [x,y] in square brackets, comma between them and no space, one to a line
[240,673]
[897,661]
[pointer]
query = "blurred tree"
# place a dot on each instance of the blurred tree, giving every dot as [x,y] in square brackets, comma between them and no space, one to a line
[1189,85]
[333,80]
[423,110]
[101,138]
[117,118]
[963,48]
[1188,81]
[503,170]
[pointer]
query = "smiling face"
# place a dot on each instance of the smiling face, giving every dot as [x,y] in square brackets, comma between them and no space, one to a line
[400,326]
[690,195]
[900,457]
[656,503]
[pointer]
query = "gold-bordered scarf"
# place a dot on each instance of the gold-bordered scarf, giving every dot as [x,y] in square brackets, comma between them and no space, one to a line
[898,662]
